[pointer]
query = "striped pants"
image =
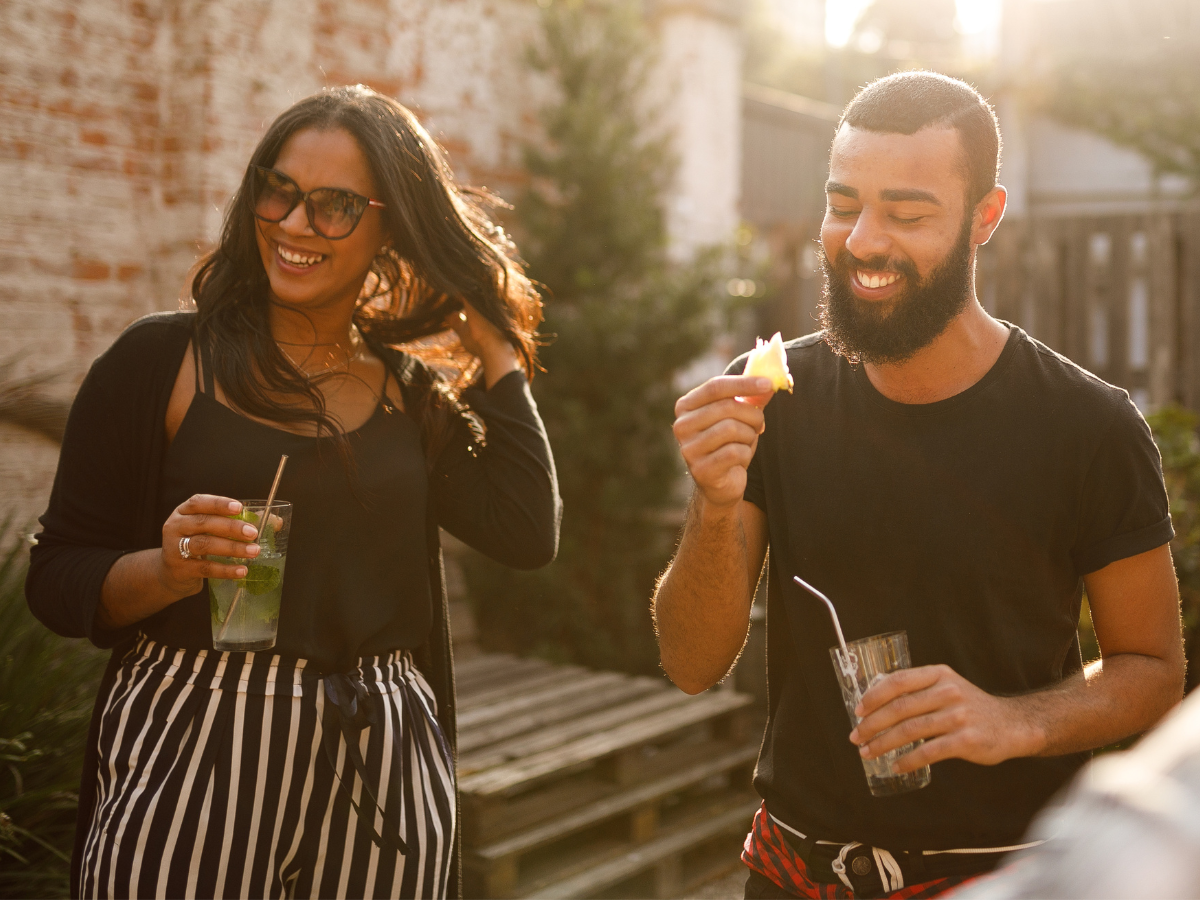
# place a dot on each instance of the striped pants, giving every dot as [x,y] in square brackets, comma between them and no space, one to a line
[244,775]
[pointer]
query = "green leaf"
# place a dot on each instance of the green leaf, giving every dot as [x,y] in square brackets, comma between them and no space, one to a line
[47,688]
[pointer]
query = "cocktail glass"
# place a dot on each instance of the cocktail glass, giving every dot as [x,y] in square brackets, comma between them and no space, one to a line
[245,611]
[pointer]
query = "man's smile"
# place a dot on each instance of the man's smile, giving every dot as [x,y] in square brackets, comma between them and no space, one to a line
[875,285]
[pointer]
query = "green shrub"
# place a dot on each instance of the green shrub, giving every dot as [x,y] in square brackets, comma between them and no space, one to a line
[47,686]
[623,320]
[1175,433]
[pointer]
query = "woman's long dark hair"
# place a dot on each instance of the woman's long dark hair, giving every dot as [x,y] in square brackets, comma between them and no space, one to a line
[444,249]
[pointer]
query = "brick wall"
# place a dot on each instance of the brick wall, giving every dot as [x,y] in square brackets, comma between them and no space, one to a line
[125,126]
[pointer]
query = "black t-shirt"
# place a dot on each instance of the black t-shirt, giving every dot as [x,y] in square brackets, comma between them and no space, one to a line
[968,523]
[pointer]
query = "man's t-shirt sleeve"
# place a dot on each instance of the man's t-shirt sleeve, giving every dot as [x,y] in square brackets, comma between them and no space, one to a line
[1125,510]
[754,487]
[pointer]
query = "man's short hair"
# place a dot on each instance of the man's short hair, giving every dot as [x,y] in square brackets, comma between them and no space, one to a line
[906,102]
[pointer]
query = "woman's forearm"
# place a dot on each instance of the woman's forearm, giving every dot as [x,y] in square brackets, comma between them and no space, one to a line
[502,499]
[497,362]
[134,590]
[140,584]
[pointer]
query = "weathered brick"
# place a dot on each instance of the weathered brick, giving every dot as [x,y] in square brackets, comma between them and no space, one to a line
[125,126]
[89,270]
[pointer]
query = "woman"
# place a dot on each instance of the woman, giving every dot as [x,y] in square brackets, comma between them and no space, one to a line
[322,767]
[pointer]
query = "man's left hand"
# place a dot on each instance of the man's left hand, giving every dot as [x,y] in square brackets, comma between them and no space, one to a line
[956,720]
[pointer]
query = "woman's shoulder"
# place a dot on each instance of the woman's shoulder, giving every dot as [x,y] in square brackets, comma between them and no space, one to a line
[172,326]
[146,347]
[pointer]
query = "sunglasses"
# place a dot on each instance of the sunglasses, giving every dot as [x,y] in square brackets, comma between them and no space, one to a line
[333,213]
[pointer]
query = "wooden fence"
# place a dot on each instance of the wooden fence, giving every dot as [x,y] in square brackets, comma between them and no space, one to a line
[1118,294]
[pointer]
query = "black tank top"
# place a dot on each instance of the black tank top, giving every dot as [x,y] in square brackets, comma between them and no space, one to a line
[357,578]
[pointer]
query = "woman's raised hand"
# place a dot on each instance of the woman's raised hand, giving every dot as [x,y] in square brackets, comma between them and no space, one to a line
[484,340]
[200,527]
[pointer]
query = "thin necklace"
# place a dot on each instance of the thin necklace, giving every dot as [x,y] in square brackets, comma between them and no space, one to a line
[352,354]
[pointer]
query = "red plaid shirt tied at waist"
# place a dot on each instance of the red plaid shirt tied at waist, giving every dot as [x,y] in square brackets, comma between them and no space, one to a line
[774,850]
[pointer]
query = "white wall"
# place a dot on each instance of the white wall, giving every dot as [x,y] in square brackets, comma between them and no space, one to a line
[700,77]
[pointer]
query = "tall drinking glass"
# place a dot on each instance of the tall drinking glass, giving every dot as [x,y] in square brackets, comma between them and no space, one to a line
[245,611]
[873,658]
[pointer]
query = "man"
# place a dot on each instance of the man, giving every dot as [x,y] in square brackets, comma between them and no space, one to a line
[937,471]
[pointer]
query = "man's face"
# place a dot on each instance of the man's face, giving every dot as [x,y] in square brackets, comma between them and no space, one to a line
[897,241]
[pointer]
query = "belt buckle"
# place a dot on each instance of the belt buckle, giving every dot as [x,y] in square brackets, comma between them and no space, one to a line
[855,866]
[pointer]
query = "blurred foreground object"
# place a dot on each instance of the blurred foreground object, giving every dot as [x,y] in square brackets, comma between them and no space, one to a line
[1130,818]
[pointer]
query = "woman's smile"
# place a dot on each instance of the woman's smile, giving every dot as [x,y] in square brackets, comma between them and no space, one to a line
[293,258]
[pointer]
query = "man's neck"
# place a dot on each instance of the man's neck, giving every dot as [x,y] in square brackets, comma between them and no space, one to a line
[956,359]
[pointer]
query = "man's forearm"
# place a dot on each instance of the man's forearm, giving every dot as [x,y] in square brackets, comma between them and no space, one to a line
[702,603]
[1110,700]
[1125,694]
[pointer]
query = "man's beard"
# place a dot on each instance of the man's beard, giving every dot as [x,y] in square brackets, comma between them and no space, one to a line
[893,331]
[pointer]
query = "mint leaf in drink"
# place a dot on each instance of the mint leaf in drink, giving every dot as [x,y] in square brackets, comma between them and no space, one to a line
[267,610]
[260,579]
[266,533]
[216,610]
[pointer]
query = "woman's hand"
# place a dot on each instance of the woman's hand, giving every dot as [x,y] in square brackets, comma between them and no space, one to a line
[203,522]
[143,583]
[484,340]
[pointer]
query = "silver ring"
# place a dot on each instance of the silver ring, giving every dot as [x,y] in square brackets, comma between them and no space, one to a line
[185,547]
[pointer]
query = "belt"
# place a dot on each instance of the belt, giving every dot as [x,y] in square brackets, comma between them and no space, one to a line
[872,871]
[348,710]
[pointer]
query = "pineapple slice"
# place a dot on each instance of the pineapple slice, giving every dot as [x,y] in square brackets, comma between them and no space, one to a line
[768,360]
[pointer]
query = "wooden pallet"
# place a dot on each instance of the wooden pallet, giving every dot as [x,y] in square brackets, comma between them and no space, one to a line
[576,782]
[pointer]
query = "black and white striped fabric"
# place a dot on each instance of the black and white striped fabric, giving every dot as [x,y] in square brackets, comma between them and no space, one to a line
[217,779]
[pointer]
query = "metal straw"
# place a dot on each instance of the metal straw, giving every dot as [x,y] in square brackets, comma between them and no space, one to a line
[850,658]
[263,523]
[832,612]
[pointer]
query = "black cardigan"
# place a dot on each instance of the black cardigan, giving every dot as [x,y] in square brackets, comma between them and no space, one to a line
[501,499]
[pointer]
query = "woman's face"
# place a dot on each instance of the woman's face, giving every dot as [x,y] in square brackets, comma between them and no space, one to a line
[307,271]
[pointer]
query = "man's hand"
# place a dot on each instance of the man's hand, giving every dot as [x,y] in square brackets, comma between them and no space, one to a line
[718,433]
[702,603]
[956,720]
[1135,610]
